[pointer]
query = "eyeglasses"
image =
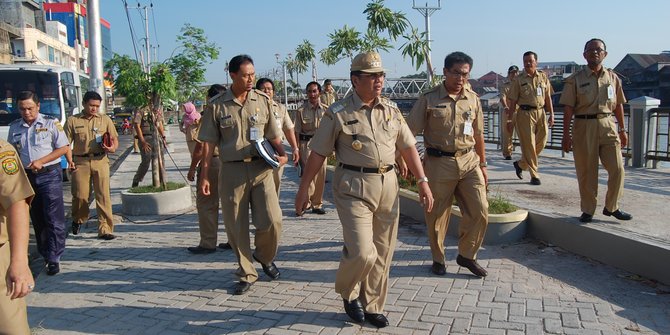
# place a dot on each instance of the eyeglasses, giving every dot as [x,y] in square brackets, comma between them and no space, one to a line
[598,50]
[373,76]
[458,75]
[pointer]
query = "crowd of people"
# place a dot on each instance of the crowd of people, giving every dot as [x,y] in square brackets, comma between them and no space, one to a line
[372,143]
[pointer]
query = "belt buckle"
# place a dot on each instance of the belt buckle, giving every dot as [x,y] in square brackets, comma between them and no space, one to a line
[383,169]
[247,160]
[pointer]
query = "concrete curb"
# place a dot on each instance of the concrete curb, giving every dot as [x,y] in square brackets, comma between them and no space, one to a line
[159,203]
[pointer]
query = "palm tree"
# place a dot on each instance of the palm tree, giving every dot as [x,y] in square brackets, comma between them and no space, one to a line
[304,54]
[416,48]
[343,43]
[381,18]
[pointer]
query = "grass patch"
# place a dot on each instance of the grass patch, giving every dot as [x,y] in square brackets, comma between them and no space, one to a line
[150,189]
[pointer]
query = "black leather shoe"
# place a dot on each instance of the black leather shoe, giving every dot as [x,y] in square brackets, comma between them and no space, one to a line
[242,287]
[270,270]
[619,214]
[354,309]
[107,237]
[535,181]
[518,170]
[471,265]
[377,320]
[508,158]
[225,246]
[438,269]
[53,268]
[75,228]
[319,211]
[586,218]
[201,250]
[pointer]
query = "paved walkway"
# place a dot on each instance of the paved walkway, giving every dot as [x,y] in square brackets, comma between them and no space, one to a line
[145,282]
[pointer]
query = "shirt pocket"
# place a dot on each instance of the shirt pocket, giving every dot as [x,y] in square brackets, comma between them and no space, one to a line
[226,122]
[81,133]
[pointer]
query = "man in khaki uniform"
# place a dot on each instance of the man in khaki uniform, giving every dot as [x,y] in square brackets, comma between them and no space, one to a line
[86,132]
[531,91]
[592,95]
[145,128]
[280,115]
[508,109]
[207,205]
[365,130]
[235,120]
[307,120]
[328,96]
[15,196]
[451,120]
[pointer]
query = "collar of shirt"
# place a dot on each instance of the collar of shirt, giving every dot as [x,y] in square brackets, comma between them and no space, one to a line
[526,74]
[596,74]
[358,103]
[38,121]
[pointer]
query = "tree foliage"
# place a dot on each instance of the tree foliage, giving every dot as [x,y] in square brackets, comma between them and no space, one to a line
[188,66]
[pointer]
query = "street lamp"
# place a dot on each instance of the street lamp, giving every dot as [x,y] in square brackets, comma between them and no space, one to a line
[227,74]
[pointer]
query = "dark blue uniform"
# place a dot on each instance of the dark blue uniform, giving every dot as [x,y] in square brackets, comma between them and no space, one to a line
[47,211]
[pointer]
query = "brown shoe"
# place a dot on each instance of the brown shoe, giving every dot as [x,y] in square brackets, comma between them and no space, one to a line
[107,237]
[471,265]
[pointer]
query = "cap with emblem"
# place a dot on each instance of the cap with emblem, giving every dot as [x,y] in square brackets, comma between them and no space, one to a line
[369,62]
[513,68]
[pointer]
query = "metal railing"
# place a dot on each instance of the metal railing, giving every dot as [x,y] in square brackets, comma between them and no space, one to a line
[658,136]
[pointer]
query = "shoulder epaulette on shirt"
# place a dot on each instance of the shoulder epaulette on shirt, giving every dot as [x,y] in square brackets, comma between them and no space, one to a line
[337,106]
[390,103]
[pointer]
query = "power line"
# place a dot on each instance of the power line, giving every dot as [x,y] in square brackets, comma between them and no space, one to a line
[132,32]
[158,45]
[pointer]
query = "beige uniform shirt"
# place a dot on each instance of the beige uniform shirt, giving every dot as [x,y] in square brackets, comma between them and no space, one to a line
[308,118]
[236,126]
[442,118]
[327,98]
[215,153]
[380,129]
[142,117]
[531,90]
[15,185]
[86,135]
[593,93]
[280,115]
[504,91]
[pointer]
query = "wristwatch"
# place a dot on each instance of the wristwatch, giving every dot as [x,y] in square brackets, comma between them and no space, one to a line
[483,164]
[422,180]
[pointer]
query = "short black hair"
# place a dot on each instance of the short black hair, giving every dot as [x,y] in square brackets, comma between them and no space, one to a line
[528,53]
[92,95]
[595,40]
[28,95]
[215,89]
[457,58]
[318,86]
[237,61]
[262,82]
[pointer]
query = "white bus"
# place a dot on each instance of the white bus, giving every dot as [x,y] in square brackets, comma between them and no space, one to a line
[59,89]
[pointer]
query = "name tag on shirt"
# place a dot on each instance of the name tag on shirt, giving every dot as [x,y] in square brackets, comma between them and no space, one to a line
[610,92]
[539,91]
[254,134]
[467,129]
[98,138]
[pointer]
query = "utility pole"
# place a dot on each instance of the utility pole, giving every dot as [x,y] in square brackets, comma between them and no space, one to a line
[146,58]
[95,50]
[283,66]
[427,12]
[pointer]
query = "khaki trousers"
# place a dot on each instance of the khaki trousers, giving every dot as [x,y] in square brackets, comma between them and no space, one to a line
[316,187]
[507,135]
[97,170]
[208,207]
[531,126]
[250,185]
[276,176]
[145,163]
[13,313]
[368,208]
[459,177]
[595,139]
[191,146]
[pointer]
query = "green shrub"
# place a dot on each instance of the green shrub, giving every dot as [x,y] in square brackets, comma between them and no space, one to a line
[150,189]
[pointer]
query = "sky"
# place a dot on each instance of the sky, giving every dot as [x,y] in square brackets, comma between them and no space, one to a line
[494,33]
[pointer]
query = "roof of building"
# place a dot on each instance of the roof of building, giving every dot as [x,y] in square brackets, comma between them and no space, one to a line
[491,95]
[645,60]
[541,65]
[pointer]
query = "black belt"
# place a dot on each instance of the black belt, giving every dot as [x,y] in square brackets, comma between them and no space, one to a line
[379,170]
[593,116]
[529,107]
[91,155]
[44,169]
[303,137]
[246,160]
[439,153]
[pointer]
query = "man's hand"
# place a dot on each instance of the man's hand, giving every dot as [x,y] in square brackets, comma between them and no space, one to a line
[19,280]
[425,197]
[296,156]
[623,136]
[282,159]
[108,149]
[146,147]
[551,120]
[485,173]
[191,175]
[35,166]
[204,186]
[566,142]
[301,201]
[71,166]
[402,167]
